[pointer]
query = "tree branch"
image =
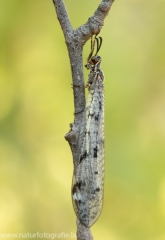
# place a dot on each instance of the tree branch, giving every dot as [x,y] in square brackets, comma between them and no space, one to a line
[95,22]
[75,40]
[63,18]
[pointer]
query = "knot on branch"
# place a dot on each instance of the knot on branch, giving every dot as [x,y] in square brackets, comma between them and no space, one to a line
[105,6]
[95,24]
[71,136]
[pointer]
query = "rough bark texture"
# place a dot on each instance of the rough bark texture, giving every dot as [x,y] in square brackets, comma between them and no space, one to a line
[75,40]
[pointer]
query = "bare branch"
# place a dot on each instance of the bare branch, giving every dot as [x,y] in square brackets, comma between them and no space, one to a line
[75,40]
[83,233]
[63,17]
[95,22]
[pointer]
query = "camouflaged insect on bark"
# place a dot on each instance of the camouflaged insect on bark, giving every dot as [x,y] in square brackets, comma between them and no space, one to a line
[88,178]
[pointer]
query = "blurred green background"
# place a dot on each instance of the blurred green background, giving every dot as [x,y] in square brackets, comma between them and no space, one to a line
[36,107]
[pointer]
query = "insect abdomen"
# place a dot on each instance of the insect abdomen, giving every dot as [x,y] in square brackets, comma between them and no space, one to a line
[88,180]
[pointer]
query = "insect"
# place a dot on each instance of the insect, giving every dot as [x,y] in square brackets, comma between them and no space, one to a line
[88,178]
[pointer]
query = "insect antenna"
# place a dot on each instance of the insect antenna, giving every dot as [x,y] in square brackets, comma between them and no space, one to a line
[92,48]
[99,43]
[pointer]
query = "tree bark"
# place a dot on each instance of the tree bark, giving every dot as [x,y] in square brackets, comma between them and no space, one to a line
[75,40]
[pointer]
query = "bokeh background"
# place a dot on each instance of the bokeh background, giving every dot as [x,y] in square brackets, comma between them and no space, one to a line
[36,107]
